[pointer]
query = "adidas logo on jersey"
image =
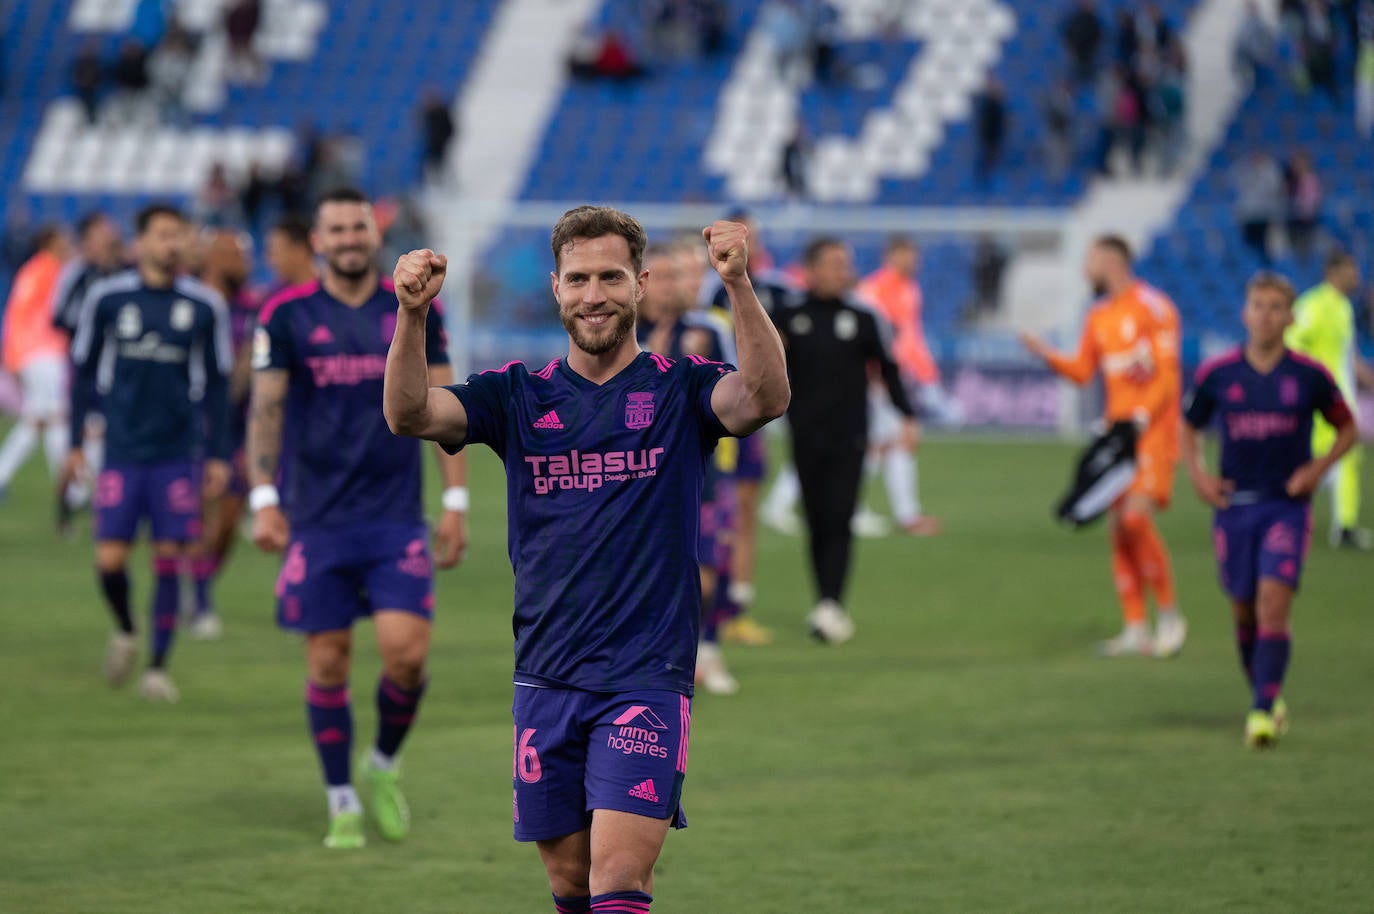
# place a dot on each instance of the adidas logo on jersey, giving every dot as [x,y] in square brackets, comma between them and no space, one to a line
[548,420]
[645,791]
[321,336]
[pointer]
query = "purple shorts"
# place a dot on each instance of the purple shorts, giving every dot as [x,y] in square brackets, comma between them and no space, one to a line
[1264,540]
[752,465]
[714,537]
[167,493]
[332,578]
[578,751]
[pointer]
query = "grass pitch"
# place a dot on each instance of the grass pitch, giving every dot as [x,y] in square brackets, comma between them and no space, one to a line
[965,753]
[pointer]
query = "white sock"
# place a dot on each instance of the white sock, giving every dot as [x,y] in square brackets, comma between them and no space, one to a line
[343,799]
[19,444]
[741,593]
[56,443]
[782,498]
[381,762]
[899,473]
[94,449]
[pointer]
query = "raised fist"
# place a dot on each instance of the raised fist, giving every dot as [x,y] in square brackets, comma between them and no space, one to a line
[419,276]
[727,245]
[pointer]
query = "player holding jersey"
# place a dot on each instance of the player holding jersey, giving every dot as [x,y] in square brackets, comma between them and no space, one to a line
[1264,396]
[605,452]
[356,540]
[1132,338]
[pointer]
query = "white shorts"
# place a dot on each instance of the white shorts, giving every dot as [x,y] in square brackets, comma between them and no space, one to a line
[884,421]
[43,386]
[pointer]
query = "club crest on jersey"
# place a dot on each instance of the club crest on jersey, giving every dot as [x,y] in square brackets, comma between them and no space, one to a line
[183,314]
[129,322]
[846,325]
[639,410]
[1288,391]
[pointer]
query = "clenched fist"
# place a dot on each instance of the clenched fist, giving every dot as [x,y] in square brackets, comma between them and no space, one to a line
[727,245]
[419,276]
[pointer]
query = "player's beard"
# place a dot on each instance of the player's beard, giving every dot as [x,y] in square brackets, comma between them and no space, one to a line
[351,274]
[620,326]
[1099,288]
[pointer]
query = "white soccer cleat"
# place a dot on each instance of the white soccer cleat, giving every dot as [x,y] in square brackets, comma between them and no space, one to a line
[206,627]
[711,672]
[869,524]
[121,653]
[830,623]
[1171,631]
[785,522]
[157,686]
[1134,641]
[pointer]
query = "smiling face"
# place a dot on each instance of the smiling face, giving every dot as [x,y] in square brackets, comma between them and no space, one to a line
[346,236]
[598,292]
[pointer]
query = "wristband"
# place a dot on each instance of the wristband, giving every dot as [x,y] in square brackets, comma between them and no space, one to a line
[456,499]
[264,496]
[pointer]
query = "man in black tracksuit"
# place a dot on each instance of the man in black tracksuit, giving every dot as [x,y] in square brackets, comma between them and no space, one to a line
[832,342]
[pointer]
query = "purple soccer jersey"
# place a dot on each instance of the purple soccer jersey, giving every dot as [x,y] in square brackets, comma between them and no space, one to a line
[342,466]
[604,504]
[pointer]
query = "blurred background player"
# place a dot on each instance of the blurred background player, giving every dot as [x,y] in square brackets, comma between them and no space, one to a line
[35,352]
[356,539]
[1324,330]
[1131,336]
[1263,398]
[831,341]
[154,347]
[669,325]
[894,291]
[289,254]
[225,265]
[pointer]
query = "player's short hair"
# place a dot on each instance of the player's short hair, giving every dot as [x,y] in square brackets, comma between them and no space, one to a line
[816,246]
[1269,281]
[150,212]
[1117,245]
[898,243]
[295,228]
[1337,259]
[89,221]
[342,195]
[594,222]
[47,235]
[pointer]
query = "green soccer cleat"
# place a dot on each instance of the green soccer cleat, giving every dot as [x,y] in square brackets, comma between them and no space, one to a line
[1280,717]
[386,802]
[345,831]
[1260,732]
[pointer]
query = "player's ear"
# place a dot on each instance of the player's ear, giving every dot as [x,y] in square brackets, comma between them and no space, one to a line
[642,281]
[553,283]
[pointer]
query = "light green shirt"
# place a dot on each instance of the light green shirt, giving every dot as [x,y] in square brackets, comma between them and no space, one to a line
[1324,329]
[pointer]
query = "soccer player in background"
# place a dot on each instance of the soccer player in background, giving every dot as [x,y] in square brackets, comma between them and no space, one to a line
[605,453]
[290,256]
[225,264]
[35,352]
[1132,337]
[832,340]
[1324,330]
[1263,397]
[350,517]
[893,290]
[154,347]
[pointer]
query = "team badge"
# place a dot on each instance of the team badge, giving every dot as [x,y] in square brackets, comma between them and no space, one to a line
[799,325]
[129,322]
[183,314]
[639,410]
[846,325]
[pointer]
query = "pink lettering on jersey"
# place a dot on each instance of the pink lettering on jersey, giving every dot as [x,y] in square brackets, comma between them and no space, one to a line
[590,471]
[345,369]
[1259,426]
[639,410]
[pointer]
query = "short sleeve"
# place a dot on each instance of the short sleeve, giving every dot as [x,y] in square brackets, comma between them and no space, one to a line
[486,400]
[703,375]
[1200,402]
[1328,400]
[272,343]
[436,337]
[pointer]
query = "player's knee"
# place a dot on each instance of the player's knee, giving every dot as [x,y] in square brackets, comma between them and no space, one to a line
[568,878]
[1134,524]
[407,670]
[328,660]
[111,557]
[622,870]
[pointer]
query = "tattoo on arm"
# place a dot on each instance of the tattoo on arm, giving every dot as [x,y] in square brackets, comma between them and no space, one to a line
[265,425]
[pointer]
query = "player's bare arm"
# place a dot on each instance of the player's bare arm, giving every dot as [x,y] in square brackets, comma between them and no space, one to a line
[451,534]
[265,415]
[1211,488]
[1307,477]
[411,405]
[746,400]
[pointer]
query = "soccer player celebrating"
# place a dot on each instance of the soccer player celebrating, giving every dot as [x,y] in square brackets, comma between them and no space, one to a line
[155,347]
[1132,338]
[1264,397]
[605,453]
[355,542]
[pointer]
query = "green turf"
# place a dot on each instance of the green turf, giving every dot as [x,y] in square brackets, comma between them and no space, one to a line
[965,753]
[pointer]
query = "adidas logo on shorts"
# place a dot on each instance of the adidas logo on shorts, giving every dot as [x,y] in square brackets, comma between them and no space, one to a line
[645,791]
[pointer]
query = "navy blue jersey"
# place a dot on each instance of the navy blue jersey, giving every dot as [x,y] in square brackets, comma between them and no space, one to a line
[603,490]
[341,463]
[159,360]
[1265,419]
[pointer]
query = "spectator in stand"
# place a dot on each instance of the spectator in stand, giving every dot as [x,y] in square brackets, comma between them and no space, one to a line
[1169,107]
[169,66]
[608,57]
[990,260]
[1319,50]
[241,21]
[826,34]
[257,191]
[1156,32]
[1058,112]
[130,104]
[1305,196]
[437,131]
[216,204]
[1255,45]
[794,158]
[1121,112]
[1082,33]
[1127,38]
[785,25]
[1259,201]
[87,76]
[990,127]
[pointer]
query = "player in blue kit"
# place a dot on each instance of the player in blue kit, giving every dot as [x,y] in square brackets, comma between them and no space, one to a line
[154,347]
[1263,396]
[605,452]
[355,542]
